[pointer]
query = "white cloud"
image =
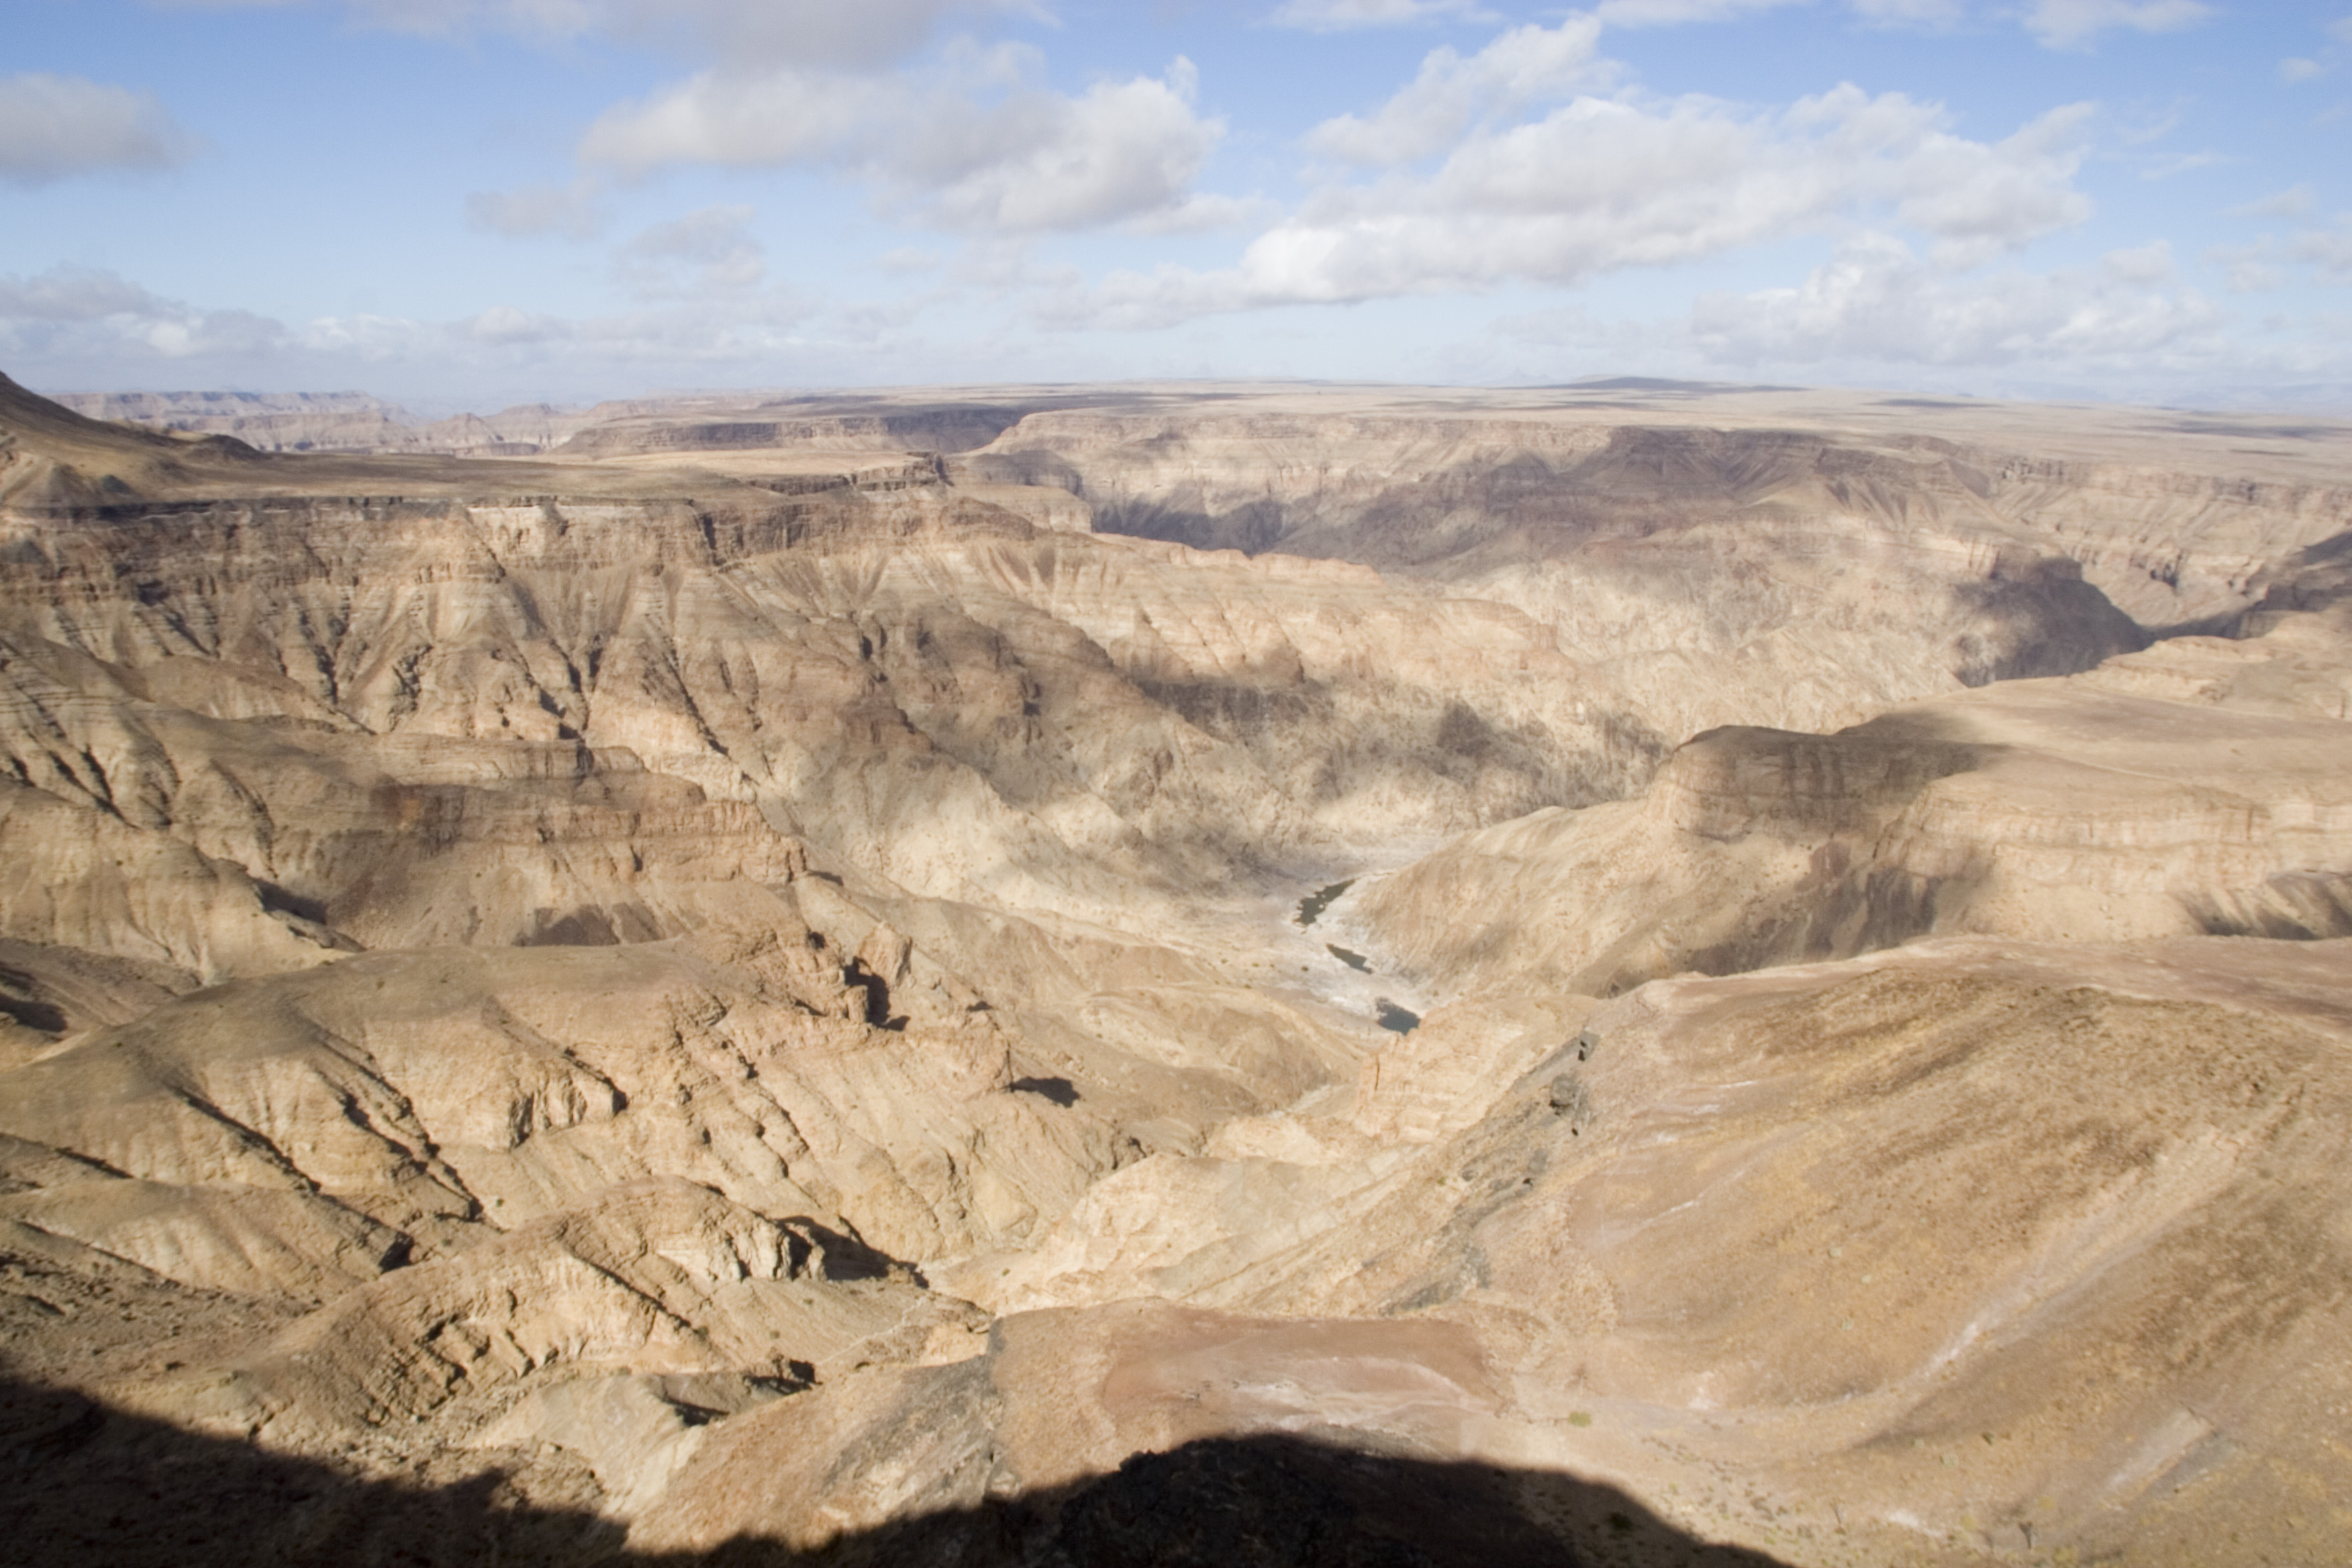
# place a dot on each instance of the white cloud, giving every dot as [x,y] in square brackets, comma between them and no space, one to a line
[1025,160]
[88,309]
[1877,303]
[77,294]
[2147,264]
[1525,66]
[2341,30]
[2294,70]
[96,328]
[1202,211]
[1979,199]
[569,211]
[1344,15]
[1040,161]
[52,127]
[1600,185]
[2073,24]
[785,116]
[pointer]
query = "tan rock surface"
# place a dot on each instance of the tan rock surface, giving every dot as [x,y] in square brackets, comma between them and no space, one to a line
[737,983]
[2089,808]
[1901,1259]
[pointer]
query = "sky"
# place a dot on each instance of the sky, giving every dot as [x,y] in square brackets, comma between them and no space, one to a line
[464,204]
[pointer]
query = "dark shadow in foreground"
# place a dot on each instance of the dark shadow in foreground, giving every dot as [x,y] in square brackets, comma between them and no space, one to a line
[84,1485]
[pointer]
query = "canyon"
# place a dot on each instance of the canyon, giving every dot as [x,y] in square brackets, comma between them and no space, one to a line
[1635,972]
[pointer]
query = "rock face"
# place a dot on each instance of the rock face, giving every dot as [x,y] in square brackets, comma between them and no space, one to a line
[332,422]
[754,985]
[2196,788]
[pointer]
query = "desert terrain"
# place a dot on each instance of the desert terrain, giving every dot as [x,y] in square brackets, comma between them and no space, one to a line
[1629,973]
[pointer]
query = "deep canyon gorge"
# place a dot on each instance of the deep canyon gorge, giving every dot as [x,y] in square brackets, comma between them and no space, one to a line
[1638,973]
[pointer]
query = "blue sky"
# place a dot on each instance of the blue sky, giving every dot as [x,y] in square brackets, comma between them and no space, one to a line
[465,202]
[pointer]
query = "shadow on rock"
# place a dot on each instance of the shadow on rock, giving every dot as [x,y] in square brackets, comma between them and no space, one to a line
[80,1484]
[1276,1501]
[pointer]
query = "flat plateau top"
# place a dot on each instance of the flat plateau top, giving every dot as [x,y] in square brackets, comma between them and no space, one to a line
[2263,448]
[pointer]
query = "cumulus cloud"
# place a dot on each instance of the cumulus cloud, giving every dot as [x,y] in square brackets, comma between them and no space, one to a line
[1523,67]
[1344,15]
[2073,23]
[962,136]
[1040,161]
[1877,302]
[979,150]
[53,127]
[1601,185]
